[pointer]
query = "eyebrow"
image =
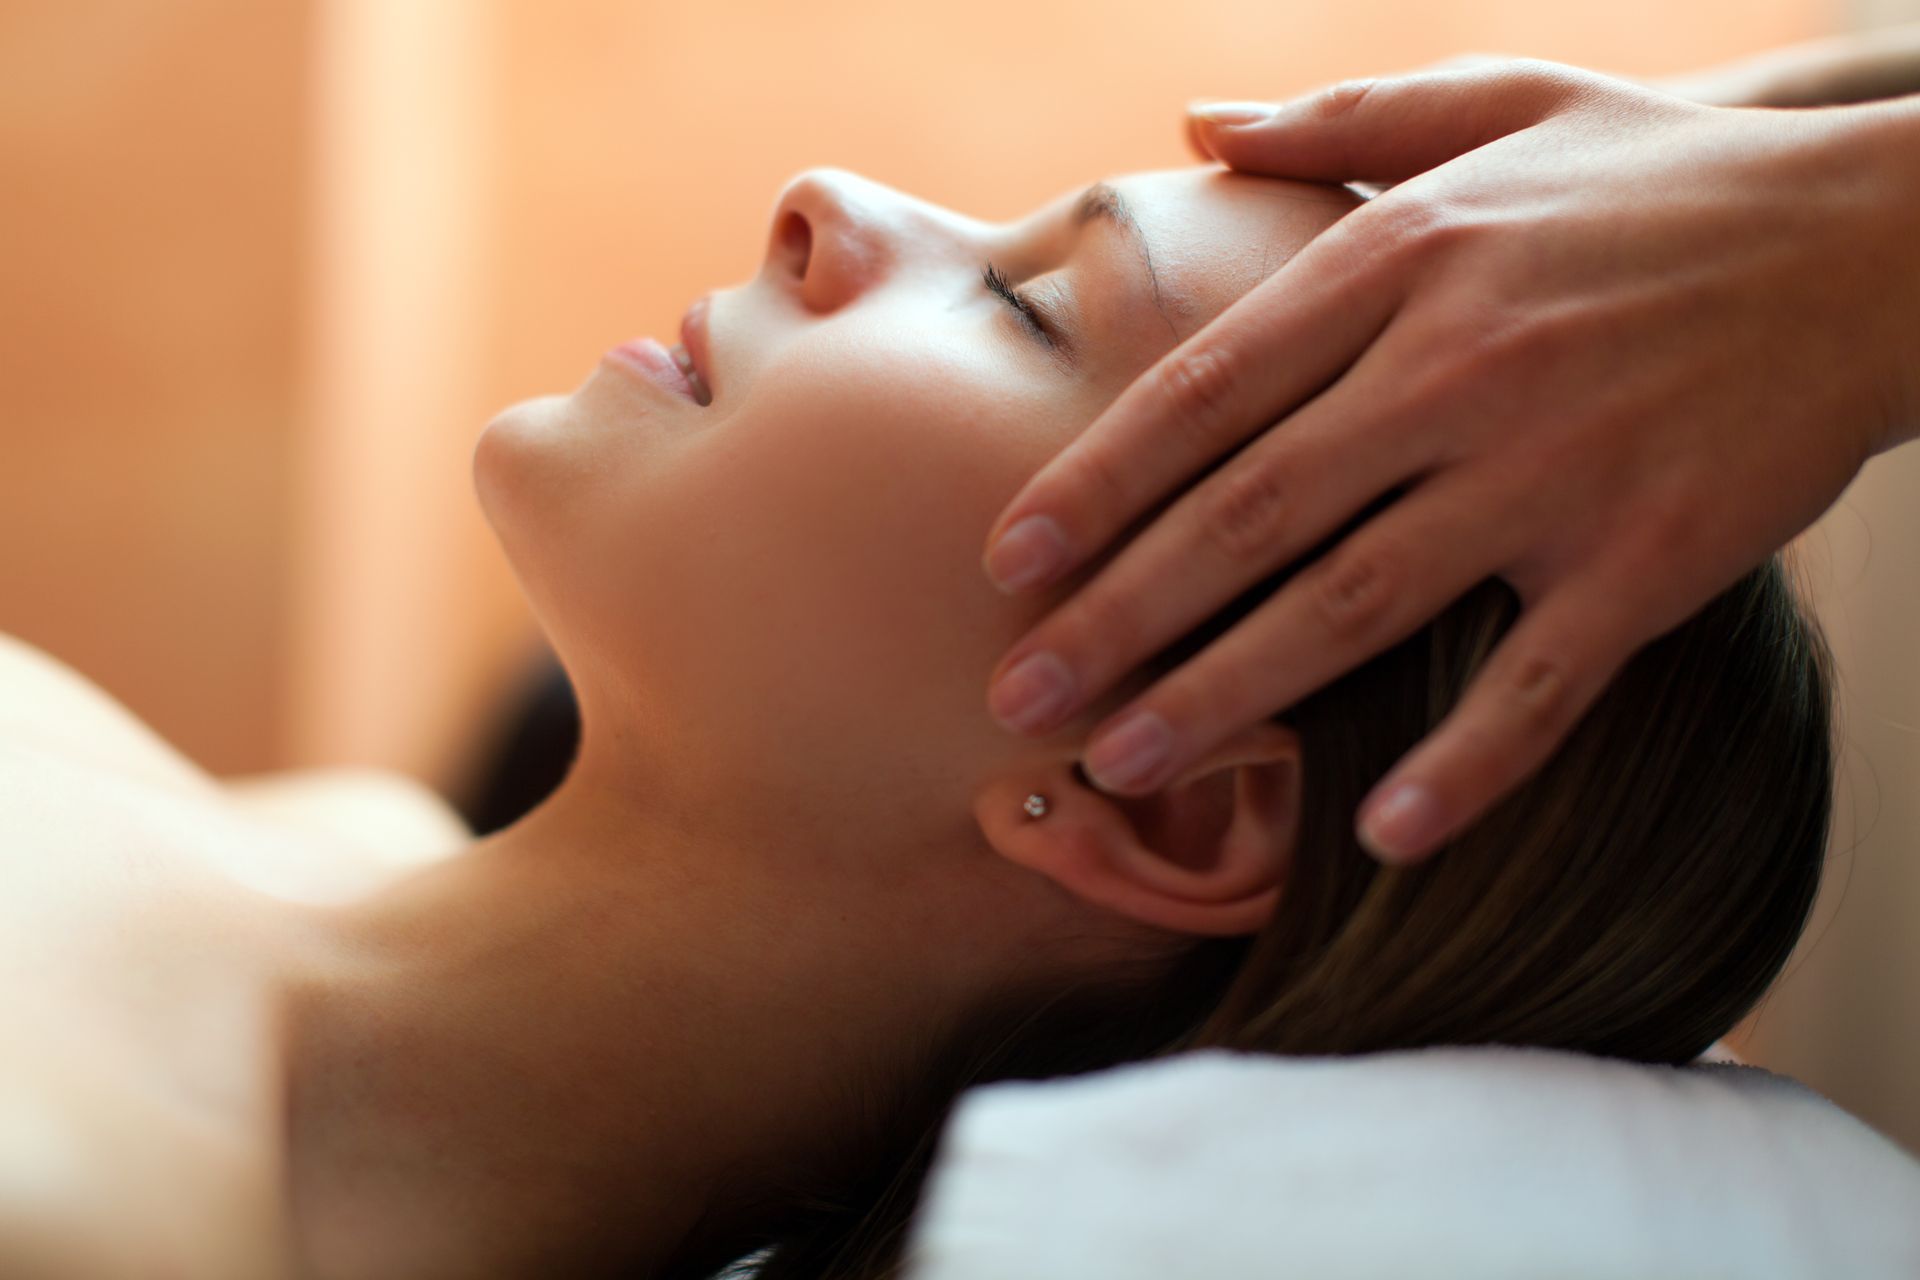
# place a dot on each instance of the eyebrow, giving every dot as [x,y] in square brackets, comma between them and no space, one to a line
[1102,203]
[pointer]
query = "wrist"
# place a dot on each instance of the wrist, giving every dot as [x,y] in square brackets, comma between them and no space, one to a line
[1881,143]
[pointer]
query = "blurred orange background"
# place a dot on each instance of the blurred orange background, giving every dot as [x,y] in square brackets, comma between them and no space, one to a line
[271,267]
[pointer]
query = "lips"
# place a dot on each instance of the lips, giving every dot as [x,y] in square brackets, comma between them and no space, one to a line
[693,353]
[684,368]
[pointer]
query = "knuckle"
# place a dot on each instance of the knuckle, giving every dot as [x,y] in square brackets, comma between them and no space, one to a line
[1450,361]
[1547,81]
[1544,336]
[1412,228]
[1530,71]
[1539,695]
[1197,388]
[1498,347]
[1351,593]
[1427,216]
[1245,511]
[1436,235]
[1534,68]
[1338,101]
[1448,357]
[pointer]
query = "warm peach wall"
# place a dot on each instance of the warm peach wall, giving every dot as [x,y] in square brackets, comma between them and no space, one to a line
[154,190]
[403,610]
[1846,1019]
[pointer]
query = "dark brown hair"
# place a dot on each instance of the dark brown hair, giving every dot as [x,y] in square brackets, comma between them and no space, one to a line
[1633,898]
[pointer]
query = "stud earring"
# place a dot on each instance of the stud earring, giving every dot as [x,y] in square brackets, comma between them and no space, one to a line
[1036,806]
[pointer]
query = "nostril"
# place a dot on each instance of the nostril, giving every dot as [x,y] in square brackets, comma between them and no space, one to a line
[796,243]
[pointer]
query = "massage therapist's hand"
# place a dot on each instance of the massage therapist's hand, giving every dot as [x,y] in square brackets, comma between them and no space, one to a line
[1614,347]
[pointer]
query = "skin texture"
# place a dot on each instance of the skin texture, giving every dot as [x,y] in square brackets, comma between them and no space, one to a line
[1616,403]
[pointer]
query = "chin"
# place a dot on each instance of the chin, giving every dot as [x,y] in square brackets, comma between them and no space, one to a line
[522,452]
[554,481]
[521,465]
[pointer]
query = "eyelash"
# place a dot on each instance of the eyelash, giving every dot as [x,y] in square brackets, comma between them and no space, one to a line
[1029,314]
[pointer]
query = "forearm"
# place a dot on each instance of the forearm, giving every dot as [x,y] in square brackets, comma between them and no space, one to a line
[1864,67]
[1885,142]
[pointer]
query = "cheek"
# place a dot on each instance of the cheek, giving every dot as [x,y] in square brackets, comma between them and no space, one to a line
[817,556]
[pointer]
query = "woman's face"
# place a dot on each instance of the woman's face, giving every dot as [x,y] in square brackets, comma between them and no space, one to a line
[773,602]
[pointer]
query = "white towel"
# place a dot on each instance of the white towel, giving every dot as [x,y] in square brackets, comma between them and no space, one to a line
[1471,1162]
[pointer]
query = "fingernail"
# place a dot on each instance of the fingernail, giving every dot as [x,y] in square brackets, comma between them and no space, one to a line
[1233,114]
[1032,551]
[1130,753]
[1401,824]
[1035,690]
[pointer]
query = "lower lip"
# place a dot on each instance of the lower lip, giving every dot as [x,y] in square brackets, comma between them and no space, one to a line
[649,358]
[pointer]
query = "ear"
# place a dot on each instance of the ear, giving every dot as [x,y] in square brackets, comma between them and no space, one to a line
[1206,854]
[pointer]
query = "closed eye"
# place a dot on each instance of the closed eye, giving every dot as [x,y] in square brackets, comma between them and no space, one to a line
[1030,314]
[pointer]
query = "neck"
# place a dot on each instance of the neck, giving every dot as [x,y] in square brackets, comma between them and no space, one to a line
[581,1046]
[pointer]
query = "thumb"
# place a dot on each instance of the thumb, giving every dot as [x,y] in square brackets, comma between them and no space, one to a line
[1386,130]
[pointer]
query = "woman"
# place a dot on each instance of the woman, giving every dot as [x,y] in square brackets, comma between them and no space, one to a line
[799,888]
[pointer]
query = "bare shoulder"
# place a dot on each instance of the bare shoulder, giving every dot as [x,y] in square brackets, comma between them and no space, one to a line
[45,703]
[397,818]
[99,1177]
[83,1237]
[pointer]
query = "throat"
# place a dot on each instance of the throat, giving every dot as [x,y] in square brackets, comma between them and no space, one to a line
[580,1041]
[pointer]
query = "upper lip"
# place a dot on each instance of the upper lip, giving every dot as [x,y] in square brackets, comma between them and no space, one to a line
[693,336]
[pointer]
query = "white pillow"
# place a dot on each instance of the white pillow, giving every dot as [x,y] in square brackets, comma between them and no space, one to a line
[1482,1162]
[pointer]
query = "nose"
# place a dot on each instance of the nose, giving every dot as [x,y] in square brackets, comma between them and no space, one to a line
[837,235]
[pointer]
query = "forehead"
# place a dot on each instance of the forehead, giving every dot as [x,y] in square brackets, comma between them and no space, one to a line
[1213,235]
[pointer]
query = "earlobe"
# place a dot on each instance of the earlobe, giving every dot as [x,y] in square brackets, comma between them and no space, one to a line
[1206,854]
